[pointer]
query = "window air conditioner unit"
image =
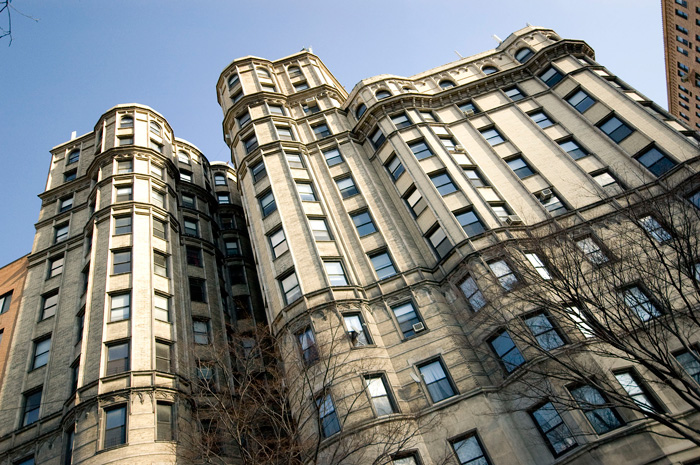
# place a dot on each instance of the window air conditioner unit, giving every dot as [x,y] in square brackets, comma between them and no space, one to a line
[545,195]
[468,112]
[459,149]
[418,327]
[512,220]
[310,99]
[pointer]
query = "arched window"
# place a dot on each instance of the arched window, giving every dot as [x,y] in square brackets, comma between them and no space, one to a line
[382,94]
[489,69]
[183,157]
[219,180]
[294,71]
[73,156]
[262,72]
[233,80]
[126,122]
[524,54]
[361,109]
[155,128]
[447,84]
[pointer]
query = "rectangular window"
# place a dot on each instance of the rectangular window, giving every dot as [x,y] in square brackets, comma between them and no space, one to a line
[164,418]
[5,301]
[408,319]
[547,336]
[637,390]
[310,108]
[581,101]
[379,393]
[306,191]
[267,203]
[401,120]
[470,451]
[357,331]
[592,402]
[553,204]
[347,187]
[492,136]
[290,288]
[579,319]
[115,426]
[237,274]
[383,265]
[695,199]
[438,240]
[158,228]
[191,227]
[162,356]
[520,167]
[70,175]
[377,138]
[436,381]
[183,157]
[538,265]
[615,129]
[294,159]
[189,201]
[606,181]
[201,331]
[278,243]
[541,119]
[449,143]
[335,272]
[284,133]
[186,176]
[223,198]
[394,167]
[321,130]
[654,229]
[470,222]
[420,149]
[125,166]
[592,251]
[327,416]
[469,108]
[197,290]
[443,183]
[553,429]
[160,264]
[301,86]
[65,204]
[243,120]
[332,156]
[258,171]
[161,307]
[363,223]
[124,193]
[415,201]
[206,375]
[428,116]
[158,198]
[501,210]
[471,291]
[120,306]
[551,76]
[505,275]
[49,304]
[640,303]
[307,345]
[574,150]
[121,261]
[319,229]
[656,161]
[55,266]
[117,358]
[60,233]
[690,362]
[233,248]
[32,405]
[41,353]
[506,351]
[250,143]
[514,93]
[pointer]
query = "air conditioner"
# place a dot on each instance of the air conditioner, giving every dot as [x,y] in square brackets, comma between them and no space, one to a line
[418,327]
[468,112]
[310,99]
[512,220]
[545,195]
[459,149]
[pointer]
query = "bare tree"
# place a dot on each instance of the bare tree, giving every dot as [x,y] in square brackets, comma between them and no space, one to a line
[6,9]
[624,291]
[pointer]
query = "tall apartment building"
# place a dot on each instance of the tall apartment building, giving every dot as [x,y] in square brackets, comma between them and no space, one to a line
[380,219]
[681,23]
[12,278]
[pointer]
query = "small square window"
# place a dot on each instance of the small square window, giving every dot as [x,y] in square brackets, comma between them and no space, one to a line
[117,358]
[70,175]
[120,306]
[284,133]
[581,101]
[470,222]
[267,203]
[443,183]
[233,248]
[551,76]
[541,119]
[615,129]
[321,130]
[347,187]
[124,193]
[656,161]
[593,403]
[469,108]
[332,156]
[654,229]
[223,198]
[504,274]
[592,251]
[125,166]
[65,204]
[640,303]
[573,149]
[294,159]
[55,266]
[520,167]
[401,120]
[470,451]
[189,201]
[492,136]
[383,265]
[306,191]
[544,331]
[514,93]
[250,143]
[363,222]
[319,229]
[73,156]
[420,149]
[335,272]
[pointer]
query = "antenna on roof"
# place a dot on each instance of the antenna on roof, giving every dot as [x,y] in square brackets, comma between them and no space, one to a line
[528,24]
[460,56]
[73,135]
[307,49]
[498,39]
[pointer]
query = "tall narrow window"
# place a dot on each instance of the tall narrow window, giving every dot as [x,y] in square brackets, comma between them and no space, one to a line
[335,272]
[258,171]
[278,243]
[201,331]
[233,248]
[115,426]
[198,291]
[73,157]
[415,201]
[357,331]
[319,228]
[162,356]
[117,358]
[639,302]
[164,426]
[327,416]
[159,228]
[332,156]
[41,353]
[436,381]
[5,301]
[439,241]
[49,304]
[395,167]
[32,405]
[471,291]
[56,266]
[120,306]
[506,350]
[553,429]
[408,319]
[593,404]
[160,264]
[250,143]
[65,204]
[161,307]
[363,222]
[121,261]
[379,393]
[637,391]
[307,345]
[267,203]
[60,233]
[290,288]
[538,265]
[383,265]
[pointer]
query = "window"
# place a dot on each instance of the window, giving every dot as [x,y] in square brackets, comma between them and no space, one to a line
[206,375]
[233,248]
[319,228]
[470,222]
[201,331]
[469,108]
[523,54]
[383,265]
[420,149]
[284,133]
[415,201]
[164,422]
[310,107]
[690,362]
[278,243]
[189,201]
[258,171]
[538,265]
[124,193]
[492,136]
[5,301]
[472,293]
[347,187]
[243,119]
[156,146]
[592,251]
[157,171]
[321,130]
[25,461]
[117,358]
[654,229]
[306,191]
[547,336]
[506,351]
[335,272]
[639,302]
[590,400]
[446,84]
[574,150]
[395,167]
[227,222]
[553,429]
[307,345]
[237,274]
[551,76]
[60,233]
[185,176]
[158,198]
[294,159]
[158,228]
[656,161]
[505,275]
[581,101]
[197,290]
[438,240]
[191,227]
[32,404]
[695,199]
[55,267]
[379,393]
[162,356]
[400,121]
[606,181]
[469,450]
[553,204]
[41,353]
[121,261]
[520,167]
[501,210]
[407,317]
[154,128]
[120,306]
[160,264]
[161,307]
[489,70]
[73,157]
[357,331]
[70,175]
[616,129]
[436,380]
[233,80]
[49,304]
[332,156]
[361,109]
[223,198]
[183,157]
[428,116]
[115,426]
[443,183]
[514,93]
[637,391]
[327,416]
[250,143]
[449,143]
[267,203]
[126,122]
[382,94]
[363,222]
[125,166]
[65,204]
[290,288]
[377,138]
[219,180]
[541,119]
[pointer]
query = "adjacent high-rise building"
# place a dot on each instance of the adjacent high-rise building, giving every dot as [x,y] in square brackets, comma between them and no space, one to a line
[12,278]
[681,24]
[373,233]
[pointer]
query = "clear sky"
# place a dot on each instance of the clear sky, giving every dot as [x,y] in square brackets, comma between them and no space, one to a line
[83,57]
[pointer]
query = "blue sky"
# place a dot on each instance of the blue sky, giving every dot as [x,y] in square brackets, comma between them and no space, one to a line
[83,57]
